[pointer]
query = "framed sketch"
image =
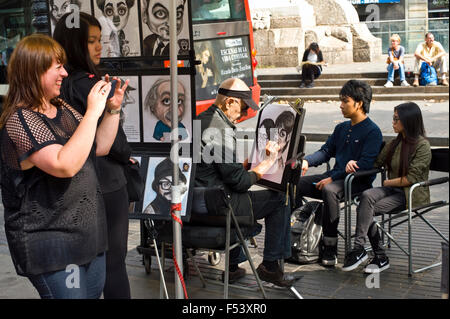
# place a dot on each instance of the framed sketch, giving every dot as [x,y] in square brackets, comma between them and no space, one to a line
[158,187]
[58,8]
[281,123]
[156,109]
[155,27]
[120,27]
[129,114]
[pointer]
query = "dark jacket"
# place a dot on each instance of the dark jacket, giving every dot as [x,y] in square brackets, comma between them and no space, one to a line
[319,57]
[360,142]
[218,166]
[110,169]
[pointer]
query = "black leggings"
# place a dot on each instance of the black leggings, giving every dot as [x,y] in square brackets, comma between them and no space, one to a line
[310,72]
[117,285]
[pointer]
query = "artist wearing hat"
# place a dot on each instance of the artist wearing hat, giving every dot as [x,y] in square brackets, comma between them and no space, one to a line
[219,167]
[162,185]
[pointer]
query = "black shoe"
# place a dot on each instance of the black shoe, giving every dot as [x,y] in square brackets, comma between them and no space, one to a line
[329,257]
[302,85]
[377,264]
[234,276]
[354,258]
[274,277]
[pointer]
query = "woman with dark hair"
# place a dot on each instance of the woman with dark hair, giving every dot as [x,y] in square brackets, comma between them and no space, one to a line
[84,49]
[406,160]
[311,65]
[54,213]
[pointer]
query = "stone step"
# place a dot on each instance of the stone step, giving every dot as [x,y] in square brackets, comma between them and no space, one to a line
[429,91]
[376,97]
[323,82]
[294,76]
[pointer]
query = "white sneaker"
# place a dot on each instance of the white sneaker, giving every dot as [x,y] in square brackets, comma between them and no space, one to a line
[404,83]
[389,84]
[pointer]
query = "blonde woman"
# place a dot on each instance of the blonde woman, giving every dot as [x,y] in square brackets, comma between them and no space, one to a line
[396,55]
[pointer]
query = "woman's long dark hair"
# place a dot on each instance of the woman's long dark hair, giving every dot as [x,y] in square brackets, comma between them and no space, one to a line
[74,40]
[410,116]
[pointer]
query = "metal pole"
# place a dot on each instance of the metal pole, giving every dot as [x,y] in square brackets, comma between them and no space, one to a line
[176,197]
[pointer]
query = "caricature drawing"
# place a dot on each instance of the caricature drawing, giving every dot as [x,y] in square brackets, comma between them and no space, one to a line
[115,16]
[157,102]
[155,14]
[162,187]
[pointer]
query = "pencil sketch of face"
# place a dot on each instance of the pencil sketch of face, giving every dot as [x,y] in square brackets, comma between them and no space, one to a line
[264,133]
[156,16]
[118,11]
[60,7]
[158,101]
[284,125]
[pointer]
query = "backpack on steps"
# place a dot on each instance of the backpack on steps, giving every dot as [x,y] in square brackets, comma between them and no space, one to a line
[306,233]
[428,75]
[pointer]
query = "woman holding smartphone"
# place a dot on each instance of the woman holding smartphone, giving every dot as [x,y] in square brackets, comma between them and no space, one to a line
[83,47]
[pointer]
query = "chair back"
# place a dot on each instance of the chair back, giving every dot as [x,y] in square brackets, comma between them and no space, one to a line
[439,160]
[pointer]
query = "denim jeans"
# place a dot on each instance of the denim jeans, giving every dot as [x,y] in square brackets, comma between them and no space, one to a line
[77,282]
[271,206]
[391,72]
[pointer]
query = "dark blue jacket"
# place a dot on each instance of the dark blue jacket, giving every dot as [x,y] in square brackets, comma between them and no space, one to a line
[361,142]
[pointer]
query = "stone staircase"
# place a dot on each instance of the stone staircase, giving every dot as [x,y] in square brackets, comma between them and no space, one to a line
[328,86]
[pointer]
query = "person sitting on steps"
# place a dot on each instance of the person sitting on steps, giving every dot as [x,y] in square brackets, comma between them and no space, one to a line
[396,61]
[433,53]
[311,65]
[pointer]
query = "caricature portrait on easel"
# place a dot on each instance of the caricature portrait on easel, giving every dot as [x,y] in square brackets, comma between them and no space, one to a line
[155,26]
[276,123]
[120,31]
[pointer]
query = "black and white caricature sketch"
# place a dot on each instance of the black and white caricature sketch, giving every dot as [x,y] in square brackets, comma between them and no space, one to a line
[276,123]
[158,189]
[155,19]
[60,7]
[129,113]
[157,116]
[120,31]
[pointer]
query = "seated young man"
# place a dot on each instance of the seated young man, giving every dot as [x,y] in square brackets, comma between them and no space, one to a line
[354,144]
[219,167]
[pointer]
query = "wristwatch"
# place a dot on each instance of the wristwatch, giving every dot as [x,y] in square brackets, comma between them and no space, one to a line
[113,112]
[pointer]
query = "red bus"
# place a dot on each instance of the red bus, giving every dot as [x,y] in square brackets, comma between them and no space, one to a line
[223,43]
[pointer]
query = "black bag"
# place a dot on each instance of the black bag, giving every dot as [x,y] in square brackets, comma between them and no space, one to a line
[135,183]
[306,233]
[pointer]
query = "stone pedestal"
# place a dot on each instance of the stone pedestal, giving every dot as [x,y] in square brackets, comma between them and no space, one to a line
[283,31]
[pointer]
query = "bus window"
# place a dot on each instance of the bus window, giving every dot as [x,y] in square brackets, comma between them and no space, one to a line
[221,59]
[210,10]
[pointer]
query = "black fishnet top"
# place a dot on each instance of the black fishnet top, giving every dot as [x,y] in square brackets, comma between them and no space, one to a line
[50,222]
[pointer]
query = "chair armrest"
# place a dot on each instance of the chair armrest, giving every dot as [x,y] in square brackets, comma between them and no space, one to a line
[367,172]
[435,181]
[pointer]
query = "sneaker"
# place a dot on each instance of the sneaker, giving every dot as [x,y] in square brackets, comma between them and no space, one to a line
[389,84]
[274,277]
[377,264]
[354,258]
[310,85]
[302,85]
[432,84]
[404,83]
[234,275]
[329,257]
